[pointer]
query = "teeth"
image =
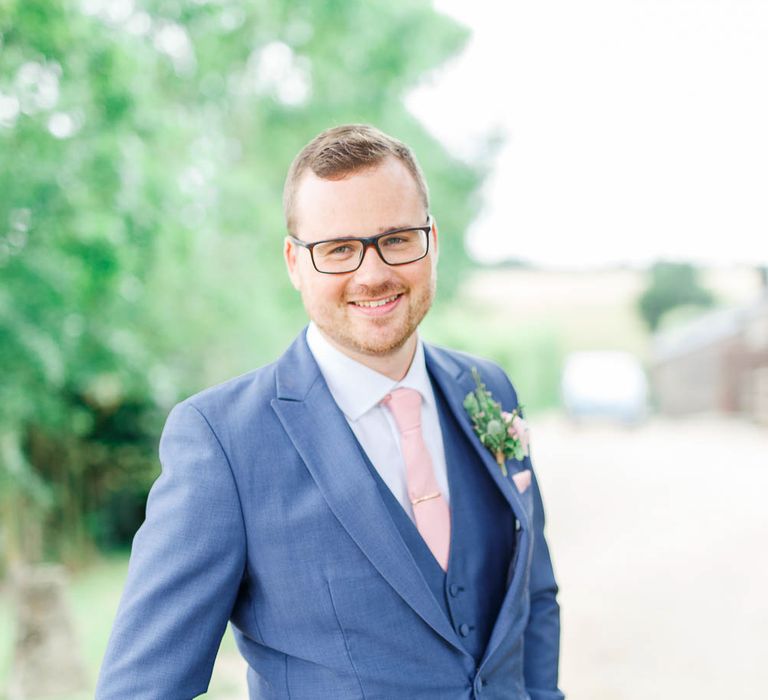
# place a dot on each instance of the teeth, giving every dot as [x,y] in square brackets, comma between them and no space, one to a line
[374,304]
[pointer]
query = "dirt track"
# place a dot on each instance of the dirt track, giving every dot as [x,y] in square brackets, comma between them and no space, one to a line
[658,535]
[659,542]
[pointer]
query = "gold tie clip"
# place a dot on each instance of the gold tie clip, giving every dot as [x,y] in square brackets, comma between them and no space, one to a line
[425,498]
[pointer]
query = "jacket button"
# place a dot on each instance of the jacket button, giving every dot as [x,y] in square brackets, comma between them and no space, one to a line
[517,524]
[463,629]
[454,589]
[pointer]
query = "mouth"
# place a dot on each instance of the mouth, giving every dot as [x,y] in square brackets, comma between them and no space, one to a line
[376,307]
[376,303]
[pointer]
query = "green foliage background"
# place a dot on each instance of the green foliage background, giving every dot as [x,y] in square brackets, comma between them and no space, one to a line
[142,153]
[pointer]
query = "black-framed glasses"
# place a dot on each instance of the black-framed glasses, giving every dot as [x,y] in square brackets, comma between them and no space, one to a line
[340,255]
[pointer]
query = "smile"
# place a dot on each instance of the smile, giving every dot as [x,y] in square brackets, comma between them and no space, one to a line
[377,303]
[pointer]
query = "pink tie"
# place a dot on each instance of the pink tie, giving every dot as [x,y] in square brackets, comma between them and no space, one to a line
[433,518]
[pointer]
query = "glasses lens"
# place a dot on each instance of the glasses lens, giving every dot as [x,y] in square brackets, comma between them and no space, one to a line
[337,256]
[404,246]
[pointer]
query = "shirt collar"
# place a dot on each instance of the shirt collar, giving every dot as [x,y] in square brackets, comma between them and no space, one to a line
[357,388]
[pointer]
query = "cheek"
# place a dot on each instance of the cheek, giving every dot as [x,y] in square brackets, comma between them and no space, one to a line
[425,276]
[322,290]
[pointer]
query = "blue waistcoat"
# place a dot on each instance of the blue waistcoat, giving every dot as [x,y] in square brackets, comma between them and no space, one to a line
[470,593]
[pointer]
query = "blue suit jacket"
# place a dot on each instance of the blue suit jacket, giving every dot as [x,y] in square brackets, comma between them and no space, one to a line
[266,515]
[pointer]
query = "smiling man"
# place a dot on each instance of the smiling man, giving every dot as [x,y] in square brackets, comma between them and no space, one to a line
[336,506]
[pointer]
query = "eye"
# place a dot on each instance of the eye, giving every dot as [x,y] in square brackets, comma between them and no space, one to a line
[340,249]
[398,239]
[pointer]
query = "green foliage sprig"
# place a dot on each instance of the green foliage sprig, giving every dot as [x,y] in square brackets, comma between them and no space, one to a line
[498,430]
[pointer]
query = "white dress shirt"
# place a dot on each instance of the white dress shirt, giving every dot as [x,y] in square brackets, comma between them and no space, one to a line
[358,391]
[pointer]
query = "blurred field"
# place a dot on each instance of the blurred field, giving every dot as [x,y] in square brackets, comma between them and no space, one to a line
[529,320]
[589,310]
[585,309]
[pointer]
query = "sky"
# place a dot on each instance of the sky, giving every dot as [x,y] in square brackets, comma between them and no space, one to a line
[634,130]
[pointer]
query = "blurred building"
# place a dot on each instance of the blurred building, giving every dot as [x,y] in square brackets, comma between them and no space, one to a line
[716,363]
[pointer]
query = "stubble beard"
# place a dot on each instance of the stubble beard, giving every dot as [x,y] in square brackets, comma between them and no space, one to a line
[417,309]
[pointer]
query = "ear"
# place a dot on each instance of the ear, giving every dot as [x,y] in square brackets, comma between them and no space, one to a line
[433,244]
[291,262]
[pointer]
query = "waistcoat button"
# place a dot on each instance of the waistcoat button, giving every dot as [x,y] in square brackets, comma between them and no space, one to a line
[479,684]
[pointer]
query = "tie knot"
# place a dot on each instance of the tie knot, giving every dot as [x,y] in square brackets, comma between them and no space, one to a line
[405,405]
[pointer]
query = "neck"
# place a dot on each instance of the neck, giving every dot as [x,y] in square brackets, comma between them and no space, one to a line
[394,364]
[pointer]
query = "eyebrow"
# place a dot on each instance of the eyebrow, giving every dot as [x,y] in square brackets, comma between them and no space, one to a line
[384,229]
[380,230]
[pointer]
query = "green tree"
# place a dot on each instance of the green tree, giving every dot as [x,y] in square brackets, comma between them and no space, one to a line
[143,148]
[671,285]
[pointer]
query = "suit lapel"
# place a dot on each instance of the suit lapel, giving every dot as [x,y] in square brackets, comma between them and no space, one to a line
[328,447]
[456,383]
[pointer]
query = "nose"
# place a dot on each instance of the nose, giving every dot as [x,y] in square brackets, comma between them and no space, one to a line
[373,269]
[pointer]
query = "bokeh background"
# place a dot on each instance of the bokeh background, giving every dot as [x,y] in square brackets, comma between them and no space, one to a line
[598,173]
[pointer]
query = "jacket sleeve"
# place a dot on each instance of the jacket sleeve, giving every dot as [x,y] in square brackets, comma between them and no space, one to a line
[186,565]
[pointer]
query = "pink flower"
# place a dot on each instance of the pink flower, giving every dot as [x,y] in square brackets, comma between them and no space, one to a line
[520,427]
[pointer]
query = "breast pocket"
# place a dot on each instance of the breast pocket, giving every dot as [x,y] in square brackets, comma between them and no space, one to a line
[522,481]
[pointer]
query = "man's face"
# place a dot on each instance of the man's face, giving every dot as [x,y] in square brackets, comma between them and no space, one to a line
[365,203]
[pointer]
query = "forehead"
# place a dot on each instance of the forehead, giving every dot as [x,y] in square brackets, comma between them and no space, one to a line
[362,203]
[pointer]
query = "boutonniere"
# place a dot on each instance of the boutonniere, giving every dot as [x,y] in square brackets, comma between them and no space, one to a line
[504,433]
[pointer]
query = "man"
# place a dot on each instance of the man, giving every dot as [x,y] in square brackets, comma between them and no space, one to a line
[336,505]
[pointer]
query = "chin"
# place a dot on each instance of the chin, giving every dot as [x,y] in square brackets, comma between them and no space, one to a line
[383,348]
[372,344]
[370,341]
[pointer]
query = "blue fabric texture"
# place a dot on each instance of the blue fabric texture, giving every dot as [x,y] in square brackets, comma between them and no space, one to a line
[267,514]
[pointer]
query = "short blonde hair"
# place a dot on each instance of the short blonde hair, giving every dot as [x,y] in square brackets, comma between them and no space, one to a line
[342,150]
